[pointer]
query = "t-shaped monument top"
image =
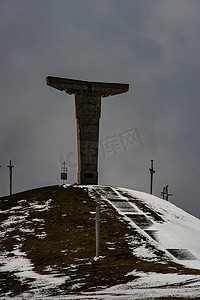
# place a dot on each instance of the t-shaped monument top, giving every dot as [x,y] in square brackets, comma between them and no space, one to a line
[72,86]
[88,111]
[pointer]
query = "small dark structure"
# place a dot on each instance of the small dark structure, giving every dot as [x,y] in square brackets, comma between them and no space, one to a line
[64,172]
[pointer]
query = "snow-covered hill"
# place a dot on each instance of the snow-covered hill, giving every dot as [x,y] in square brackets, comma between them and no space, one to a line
[149,248]
[168,227]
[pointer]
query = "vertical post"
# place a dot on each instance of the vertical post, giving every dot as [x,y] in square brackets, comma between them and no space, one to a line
[151,172]
[97,219]
[163,193]
[167,193]
[10,176]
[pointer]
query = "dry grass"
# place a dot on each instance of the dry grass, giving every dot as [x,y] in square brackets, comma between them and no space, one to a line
[69,245]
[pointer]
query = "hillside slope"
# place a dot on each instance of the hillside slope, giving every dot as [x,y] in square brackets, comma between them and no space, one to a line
[48,244]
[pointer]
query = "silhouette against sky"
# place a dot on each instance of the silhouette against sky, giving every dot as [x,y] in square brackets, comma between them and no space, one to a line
[153,45]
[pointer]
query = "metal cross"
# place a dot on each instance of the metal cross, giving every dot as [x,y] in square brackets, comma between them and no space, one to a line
[166,193]
[64,168]
[10,176]
[152,171]
[163,193]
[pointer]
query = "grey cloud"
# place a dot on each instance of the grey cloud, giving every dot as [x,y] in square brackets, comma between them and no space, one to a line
[153,45]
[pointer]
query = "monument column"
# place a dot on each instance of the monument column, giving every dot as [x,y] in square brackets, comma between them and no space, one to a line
[88,112]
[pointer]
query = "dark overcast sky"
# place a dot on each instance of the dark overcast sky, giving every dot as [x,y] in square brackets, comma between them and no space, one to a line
[153,45]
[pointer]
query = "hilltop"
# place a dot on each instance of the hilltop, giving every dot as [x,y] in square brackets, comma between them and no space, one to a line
[48,245]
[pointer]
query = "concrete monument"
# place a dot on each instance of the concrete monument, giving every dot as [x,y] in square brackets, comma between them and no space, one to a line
[88,112]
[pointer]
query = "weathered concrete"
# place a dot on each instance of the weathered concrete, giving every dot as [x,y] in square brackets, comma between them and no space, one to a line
[88,112]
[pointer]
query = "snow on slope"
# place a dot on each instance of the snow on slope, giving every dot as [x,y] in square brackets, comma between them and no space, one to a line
[178,234]
[177,230]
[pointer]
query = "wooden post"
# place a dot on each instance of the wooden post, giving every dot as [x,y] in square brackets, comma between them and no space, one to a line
[97,219]
[152,171]
[10,176]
